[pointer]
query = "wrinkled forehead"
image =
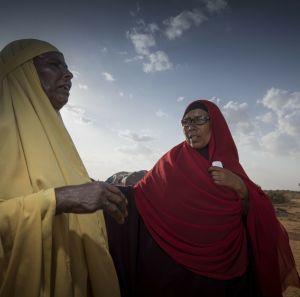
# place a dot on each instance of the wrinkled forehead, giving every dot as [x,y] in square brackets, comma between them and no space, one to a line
[195,113]
[49,56]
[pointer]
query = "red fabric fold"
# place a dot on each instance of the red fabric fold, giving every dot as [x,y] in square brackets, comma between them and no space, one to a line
[199,224]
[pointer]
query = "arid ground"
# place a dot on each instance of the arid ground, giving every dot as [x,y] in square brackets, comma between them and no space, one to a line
[288,212]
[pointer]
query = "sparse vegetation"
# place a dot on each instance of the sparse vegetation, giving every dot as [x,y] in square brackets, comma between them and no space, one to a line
[282,196]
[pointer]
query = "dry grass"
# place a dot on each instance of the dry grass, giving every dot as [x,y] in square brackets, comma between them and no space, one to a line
[288,212]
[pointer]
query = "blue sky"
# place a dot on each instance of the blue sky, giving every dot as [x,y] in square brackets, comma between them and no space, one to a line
[137,64]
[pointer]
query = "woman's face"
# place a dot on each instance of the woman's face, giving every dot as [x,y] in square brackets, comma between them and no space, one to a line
[55,77]
[197,136]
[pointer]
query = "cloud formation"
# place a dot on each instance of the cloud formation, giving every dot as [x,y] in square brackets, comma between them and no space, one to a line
[214,6]
[79,114]
[281,101]
[143,36]
[240,123]
[136,149]
[266,118]
[137,146]
[143,44]
[175,26]
[276,130]
[161,113]
[82,86]
[128,134]
[158,61]
[284,107]
[179,99]
[107,76]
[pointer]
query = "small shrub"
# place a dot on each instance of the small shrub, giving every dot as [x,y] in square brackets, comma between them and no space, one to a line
[278,196]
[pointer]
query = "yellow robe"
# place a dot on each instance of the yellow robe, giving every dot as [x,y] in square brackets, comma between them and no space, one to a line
[42,254]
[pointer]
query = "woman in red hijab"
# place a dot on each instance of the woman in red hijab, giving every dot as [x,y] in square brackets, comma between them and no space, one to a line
[198,226]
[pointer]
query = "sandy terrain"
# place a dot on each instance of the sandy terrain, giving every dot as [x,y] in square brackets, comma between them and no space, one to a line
[289,216]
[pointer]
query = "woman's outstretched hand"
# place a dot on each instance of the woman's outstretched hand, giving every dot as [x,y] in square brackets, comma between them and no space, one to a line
[89,197]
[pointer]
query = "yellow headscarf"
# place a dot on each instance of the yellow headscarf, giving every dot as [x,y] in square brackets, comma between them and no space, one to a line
[36,156]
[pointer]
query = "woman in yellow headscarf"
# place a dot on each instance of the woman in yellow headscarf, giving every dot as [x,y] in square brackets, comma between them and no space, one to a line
[52,233]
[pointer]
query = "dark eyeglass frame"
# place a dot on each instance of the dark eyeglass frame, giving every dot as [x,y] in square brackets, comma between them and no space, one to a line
[198,121]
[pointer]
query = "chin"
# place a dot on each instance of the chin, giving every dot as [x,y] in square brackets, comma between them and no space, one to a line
[58,104]
[197,147]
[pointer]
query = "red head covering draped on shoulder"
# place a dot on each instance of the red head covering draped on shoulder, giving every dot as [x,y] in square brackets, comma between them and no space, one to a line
[199,224]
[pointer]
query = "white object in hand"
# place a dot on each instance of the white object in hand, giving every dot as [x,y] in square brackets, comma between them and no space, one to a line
[217,164]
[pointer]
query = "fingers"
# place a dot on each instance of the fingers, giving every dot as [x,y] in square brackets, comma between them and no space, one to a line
[216,173]
[113,201]
[115,196]
[215,168]
[112,189]
[120,202]
[219,175]
[113,210]
[223,177]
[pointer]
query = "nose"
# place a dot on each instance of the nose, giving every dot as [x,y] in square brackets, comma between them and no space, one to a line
[190,127]
[68,74]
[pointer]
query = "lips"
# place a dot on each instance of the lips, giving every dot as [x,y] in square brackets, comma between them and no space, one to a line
[65,88]
[192,137]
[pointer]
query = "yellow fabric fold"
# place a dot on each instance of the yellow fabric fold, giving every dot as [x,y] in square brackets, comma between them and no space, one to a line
[42,254]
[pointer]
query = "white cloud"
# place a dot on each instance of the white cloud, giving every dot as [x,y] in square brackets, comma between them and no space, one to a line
[290,123]
[284,107]
[83,87]
[135,136]
[266,118]
[107,76]
[153,28]
[179,99]
[160,114]
[158,61]
[143,36]
[182,22]
[214,6]
[276,131]
[243,129]
[281,101]
[216,100]
[78,113]
[142,42]
[134,59]
[121,94]
[280,143]
[136,149]
[235,112]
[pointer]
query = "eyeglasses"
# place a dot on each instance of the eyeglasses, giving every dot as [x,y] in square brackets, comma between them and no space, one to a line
[200,120]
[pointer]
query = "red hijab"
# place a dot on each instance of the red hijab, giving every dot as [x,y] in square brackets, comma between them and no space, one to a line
[199,224]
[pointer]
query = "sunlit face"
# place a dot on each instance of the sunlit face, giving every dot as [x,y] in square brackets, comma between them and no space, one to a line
[197,136]
[55,77]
